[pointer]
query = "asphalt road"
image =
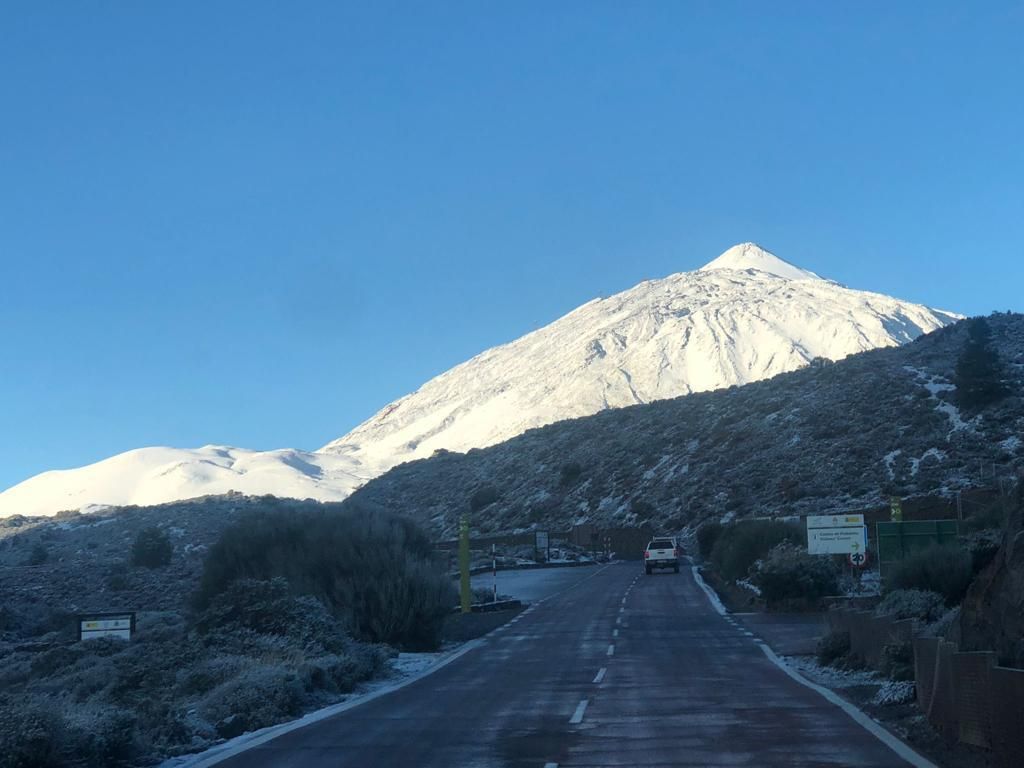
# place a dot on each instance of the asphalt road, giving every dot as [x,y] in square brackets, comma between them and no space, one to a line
[617,669]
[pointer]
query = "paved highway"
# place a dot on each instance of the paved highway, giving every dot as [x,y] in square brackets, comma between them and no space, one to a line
[616,669]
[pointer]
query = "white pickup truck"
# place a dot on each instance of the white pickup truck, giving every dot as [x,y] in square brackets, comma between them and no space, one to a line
[661,553]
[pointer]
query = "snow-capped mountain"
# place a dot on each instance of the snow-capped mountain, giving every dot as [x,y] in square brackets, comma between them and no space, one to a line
[746,316]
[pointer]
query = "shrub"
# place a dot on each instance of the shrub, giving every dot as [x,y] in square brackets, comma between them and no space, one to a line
[152,548]
[259,697]
[912,604]
[31,736]
[117,578]
[832,647]
[741,544]
[942,569]
[570,473]
[707,535]
[482,497]
[979,373]
[39,554]
[789,573]
[375,572]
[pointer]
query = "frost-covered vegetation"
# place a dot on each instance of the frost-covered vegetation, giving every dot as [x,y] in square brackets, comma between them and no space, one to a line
[291,615]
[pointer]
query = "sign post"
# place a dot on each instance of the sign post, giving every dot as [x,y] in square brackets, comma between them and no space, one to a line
[465,595]
[542,544]
[836,534]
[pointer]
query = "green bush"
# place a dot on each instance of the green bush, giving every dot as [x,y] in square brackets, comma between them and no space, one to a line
[375,572]
[832,647]
[151,548]
[742,544]
[31,736]
[707,535]
[482,497]
[912,604]
[942,569]
[788,573]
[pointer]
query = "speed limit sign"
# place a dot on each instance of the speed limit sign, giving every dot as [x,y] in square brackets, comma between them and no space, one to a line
[857,559]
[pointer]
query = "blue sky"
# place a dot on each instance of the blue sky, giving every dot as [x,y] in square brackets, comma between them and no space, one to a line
[256,223]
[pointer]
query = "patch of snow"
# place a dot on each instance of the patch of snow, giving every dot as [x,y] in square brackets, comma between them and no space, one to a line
[1011,444]
[745,583]
[889,460]
[931,453]
[895,692]
[831,677]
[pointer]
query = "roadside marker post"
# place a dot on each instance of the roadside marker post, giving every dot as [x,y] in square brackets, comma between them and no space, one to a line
[465,595]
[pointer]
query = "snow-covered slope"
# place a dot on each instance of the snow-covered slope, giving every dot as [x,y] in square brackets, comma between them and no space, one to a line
[745,316]
[157,475]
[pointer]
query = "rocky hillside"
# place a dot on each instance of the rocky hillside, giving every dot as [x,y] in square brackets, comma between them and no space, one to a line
[828,437]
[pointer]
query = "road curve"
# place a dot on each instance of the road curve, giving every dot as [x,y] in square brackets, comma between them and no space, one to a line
[619,669]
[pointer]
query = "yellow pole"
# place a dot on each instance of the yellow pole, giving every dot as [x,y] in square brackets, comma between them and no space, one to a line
[464,591]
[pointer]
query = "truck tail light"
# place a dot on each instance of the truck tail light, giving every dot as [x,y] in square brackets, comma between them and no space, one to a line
[646,554]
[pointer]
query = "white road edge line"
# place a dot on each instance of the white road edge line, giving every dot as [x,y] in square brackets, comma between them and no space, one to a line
[715,602]
[273,731]
[600,674]
[859,717]
[550,765]
[577,716]
[869,725]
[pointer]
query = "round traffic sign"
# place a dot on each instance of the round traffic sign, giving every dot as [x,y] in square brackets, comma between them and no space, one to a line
[858,559]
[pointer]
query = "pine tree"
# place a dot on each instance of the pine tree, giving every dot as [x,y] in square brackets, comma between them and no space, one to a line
[979,371]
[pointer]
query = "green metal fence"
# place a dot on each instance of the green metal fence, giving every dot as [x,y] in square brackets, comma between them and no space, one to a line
[897,540]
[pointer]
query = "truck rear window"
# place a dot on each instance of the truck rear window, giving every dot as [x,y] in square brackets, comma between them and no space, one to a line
[661,544]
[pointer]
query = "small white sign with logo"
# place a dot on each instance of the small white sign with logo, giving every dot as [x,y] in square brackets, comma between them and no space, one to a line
[106,625]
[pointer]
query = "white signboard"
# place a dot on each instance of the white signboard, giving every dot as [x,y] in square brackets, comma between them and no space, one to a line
[835,541]
[834,521]
[106,625]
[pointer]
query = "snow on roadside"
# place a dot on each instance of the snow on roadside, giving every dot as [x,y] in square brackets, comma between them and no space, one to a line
[405,668]
[831,677]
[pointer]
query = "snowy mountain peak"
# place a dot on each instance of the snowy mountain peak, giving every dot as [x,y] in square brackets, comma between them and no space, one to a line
[746,316]
[752,256]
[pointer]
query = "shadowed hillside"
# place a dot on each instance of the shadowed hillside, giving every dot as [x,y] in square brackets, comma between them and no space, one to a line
[830,436]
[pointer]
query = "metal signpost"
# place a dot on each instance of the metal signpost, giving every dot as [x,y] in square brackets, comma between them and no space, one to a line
[836,534]
[94,625]
[542,543]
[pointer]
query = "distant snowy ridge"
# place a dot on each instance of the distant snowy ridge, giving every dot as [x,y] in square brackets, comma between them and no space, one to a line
[745,316]
[156,475]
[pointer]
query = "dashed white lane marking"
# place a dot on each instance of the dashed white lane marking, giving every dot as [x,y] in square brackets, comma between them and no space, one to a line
[622,609]
[611,649]
[618,620]
[615,633]
[600,674]
[577,716]
[550,765]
